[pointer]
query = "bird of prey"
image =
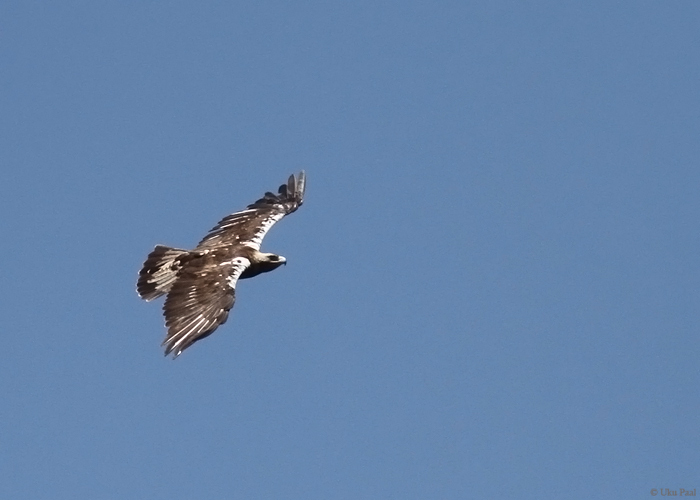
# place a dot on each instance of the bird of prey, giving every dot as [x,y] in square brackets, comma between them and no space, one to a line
[201,284]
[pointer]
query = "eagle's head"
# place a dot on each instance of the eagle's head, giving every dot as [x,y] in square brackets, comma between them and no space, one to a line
[261,262]
[269,261]
[273,259]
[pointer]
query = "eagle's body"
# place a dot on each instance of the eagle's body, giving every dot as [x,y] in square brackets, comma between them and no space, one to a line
[201,284]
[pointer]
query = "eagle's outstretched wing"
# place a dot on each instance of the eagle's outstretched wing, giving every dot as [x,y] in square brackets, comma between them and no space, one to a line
[248,227]
[200,298]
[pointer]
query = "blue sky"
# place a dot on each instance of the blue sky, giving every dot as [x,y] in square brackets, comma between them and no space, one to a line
[491,290]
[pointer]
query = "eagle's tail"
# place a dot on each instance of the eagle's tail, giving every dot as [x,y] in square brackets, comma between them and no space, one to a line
[159,272]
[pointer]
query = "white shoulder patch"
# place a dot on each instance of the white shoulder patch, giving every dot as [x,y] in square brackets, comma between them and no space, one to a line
[239,264]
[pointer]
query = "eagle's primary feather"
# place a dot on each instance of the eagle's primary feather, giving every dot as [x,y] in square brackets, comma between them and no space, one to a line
[201,284]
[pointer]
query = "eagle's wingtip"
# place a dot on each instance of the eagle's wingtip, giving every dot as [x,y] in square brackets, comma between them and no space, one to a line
[299,186]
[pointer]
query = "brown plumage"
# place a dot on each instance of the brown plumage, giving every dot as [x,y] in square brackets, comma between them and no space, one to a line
[201,284]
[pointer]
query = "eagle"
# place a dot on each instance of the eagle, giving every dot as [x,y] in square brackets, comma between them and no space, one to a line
[200,284]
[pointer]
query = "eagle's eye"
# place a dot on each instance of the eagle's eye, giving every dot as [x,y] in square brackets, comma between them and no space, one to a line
[274,257]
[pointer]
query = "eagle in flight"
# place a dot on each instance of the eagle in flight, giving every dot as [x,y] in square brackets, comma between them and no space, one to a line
[201,284]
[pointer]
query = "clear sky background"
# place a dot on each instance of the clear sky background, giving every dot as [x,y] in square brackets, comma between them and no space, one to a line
[492,290]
